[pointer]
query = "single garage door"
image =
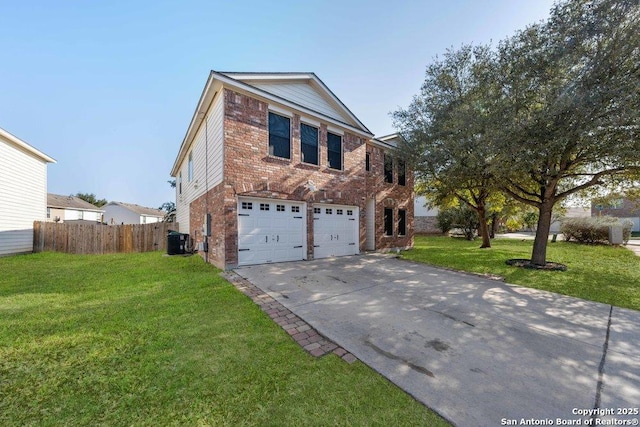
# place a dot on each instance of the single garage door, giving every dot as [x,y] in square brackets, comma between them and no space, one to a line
[270,231]
[335,230]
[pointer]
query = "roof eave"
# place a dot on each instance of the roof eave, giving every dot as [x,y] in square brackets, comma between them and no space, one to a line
[20,143]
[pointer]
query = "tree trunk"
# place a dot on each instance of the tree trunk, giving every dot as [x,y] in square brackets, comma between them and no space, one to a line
[539,254]
[484,229]
[494,225]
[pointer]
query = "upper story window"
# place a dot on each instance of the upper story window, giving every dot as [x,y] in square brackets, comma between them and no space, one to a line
[180,183]
[334,151]
[279,136]
[402,172]
[388,168]
[309,144]
[190,167]
[367,162]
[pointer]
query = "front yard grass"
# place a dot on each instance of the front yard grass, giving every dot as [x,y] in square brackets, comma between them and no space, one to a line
[142,339]
[606,274]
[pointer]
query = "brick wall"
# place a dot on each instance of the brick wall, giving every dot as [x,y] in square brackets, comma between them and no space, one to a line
[629,209]
[392,196]
[426,225]
[251,171]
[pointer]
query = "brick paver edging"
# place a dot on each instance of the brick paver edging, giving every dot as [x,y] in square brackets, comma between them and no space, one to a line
[301,332]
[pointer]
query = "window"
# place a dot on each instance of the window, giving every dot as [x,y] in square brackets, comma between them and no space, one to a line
[339,211]
[388,222]
[280,208]
[279,136]
[295,209]
[48,213]
[309,144]
[180,183]
[328,211]
[367,162]
[388,168]
[334,151]
[144,219]
[317,210]
[264,206]
[402,222]
[247,205]
[349,212]
[402,173]
[190,167]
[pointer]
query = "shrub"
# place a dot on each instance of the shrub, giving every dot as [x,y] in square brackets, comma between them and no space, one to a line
[593,230]
[463,218]
[445,219]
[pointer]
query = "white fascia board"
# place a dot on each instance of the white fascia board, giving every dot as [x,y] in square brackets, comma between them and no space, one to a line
[245,87]
[268,76]
[382,144]
[26,147]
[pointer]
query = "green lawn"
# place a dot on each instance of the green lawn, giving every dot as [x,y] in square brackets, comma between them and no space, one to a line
[142,339]
[598,273]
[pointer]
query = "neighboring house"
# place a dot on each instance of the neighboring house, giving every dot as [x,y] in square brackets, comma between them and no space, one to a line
[23,193]
[571,212]
[425,220]
[71,209]
[622,208]
[274,167]
[128,213]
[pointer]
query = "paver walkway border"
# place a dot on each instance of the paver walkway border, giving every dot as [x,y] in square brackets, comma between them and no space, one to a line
[302,333]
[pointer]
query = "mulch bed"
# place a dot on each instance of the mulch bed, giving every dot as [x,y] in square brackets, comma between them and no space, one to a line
[526,263]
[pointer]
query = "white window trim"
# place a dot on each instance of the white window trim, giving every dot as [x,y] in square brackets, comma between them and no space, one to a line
[281,111]
[336,131]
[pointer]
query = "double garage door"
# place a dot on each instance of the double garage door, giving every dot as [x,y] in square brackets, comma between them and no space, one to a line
[275,231]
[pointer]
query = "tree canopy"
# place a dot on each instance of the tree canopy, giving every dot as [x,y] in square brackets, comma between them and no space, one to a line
[555,112]
[91,198]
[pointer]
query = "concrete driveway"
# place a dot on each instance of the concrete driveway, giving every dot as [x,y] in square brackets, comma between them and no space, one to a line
[477,351]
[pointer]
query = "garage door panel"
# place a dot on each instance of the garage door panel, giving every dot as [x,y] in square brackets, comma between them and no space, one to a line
[270,231]
[335,230]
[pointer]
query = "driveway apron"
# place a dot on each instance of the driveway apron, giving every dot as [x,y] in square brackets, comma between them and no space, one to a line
[477,351]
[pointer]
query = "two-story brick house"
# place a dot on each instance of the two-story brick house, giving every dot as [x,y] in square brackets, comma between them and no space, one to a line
[274,167]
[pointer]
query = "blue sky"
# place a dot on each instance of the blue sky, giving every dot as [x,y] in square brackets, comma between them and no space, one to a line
[108,88]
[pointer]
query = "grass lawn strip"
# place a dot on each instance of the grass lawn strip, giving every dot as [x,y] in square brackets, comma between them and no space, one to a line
[606,274]
[142,339]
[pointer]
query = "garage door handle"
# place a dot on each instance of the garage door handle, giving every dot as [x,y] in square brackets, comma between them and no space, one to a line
[332,237]
[266,239]
[278,238]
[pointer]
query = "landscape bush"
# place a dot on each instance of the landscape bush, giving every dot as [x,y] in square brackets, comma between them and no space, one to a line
[463,219]
[593,230]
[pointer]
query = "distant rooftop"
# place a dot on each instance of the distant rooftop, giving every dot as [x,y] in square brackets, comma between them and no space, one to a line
[69,202]
[140,210]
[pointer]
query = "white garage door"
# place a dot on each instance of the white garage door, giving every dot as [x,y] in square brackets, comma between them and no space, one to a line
[335,230]
[270,231]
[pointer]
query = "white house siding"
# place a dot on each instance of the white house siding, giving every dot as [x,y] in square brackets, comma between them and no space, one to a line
[76,214]
[116,214]
[23,197]
[205,176]
[303,94]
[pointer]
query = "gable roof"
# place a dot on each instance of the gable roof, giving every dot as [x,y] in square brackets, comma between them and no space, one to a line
[273,82]
[140,210]
[14,140]
[69,202]
[270,87]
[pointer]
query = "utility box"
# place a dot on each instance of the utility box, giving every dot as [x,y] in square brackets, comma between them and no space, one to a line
[615,235]
[177,243]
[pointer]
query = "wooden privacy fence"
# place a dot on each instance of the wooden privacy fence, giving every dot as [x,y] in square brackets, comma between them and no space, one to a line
[100,238]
